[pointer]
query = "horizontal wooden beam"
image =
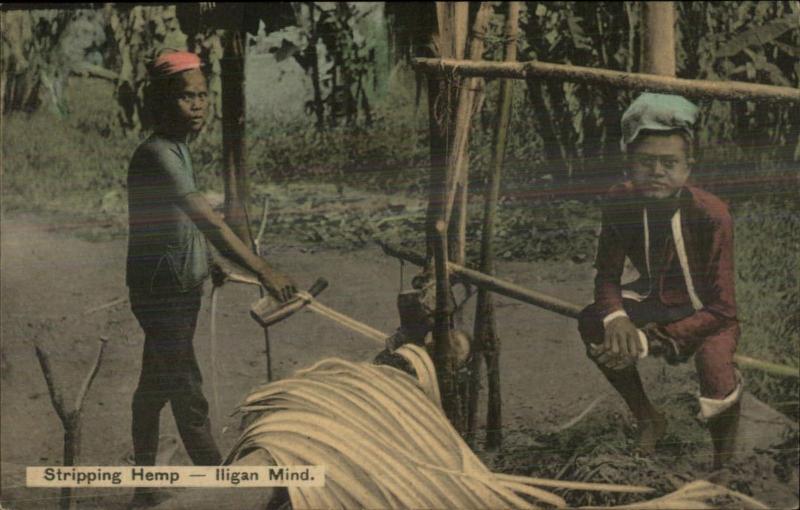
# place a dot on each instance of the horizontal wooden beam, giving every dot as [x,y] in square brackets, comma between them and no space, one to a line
[729,90]
[490,283]
[556,305]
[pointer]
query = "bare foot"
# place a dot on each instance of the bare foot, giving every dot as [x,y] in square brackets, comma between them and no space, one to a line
[650,432]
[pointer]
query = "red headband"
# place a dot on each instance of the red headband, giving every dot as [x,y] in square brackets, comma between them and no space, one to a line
[175,62]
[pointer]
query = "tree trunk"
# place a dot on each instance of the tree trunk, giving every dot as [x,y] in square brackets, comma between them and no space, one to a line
[233,136]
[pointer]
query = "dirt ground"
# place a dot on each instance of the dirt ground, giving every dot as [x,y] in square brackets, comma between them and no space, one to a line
[51,277]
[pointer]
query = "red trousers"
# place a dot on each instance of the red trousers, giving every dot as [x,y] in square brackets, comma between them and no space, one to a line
[713,355]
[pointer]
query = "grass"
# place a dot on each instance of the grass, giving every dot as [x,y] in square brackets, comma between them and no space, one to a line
[75,167]
[767,238]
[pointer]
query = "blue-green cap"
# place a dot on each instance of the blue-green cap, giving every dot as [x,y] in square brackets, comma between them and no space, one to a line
[657,112]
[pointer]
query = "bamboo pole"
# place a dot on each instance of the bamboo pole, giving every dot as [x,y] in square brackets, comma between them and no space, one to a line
[766,366]
[658,37]
[487,345]
[458,169]
[559,306]
[452,19]
[491,283]
[458,163]
[730,90]
[459,194]
[443,353]
[458,177]
[458,159]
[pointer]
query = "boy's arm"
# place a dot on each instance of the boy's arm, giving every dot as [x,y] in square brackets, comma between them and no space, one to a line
[621,343]
[168,163]
[229,245]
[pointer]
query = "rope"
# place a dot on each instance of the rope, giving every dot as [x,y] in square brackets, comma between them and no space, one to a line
[342,319]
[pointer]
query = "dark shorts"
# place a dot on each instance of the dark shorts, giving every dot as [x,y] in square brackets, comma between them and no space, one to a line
[169,321]
[170,373]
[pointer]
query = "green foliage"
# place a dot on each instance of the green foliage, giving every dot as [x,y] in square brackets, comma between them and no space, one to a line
[578,123]
[34,65]
[352,63]
[137,33]
[745,41]
[345,72]
[720,41]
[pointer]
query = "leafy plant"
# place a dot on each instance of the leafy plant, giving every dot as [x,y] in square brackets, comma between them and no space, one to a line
[33,65]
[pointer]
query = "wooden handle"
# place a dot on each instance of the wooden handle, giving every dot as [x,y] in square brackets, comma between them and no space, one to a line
[318,286]
[267,315]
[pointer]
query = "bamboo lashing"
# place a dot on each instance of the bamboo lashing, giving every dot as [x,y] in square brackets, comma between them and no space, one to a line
[730,90]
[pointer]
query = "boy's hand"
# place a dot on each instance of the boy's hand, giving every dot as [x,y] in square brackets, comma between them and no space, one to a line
[218,275]
[660,343]
[620,347]
[281,287]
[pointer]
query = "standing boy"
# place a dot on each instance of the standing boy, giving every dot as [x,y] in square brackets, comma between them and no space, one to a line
[168,260]
[680,240]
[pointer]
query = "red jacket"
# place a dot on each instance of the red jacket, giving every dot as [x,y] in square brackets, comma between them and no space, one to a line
[707,230]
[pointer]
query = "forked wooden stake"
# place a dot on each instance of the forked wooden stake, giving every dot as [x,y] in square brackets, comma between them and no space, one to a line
[70,417]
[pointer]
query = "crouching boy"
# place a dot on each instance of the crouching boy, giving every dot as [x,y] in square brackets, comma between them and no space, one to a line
[680,240]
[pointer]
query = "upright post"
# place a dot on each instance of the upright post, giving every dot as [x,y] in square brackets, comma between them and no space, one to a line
[658,37]
[233,135]
[486,346]
[458,159]
[452,21]
[457,165]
